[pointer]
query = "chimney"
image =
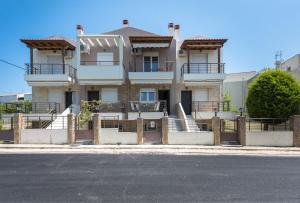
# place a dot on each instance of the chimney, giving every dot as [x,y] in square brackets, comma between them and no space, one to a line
[176,32]
[171,29]
[79,30]
[125,23]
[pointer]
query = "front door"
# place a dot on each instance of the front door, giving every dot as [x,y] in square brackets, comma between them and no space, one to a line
[186,101]
[164,95]
[93,95]
[68,99]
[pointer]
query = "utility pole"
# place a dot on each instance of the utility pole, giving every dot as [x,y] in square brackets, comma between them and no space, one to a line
[278,59]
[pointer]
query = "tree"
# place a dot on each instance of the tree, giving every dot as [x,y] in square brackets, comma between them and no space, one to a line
[274,94]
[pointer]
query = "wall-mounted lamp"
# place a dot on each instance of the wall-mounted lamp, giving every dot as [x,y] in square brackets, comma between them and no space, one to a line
[241,111]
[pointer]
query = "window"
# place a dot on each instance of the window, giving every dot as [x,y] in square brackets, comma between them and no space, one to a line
[147,95]
[151,63]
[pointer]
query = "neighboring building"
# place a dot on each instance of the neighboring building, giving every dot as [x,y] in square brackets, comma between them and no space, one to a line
[236,86]
[130,69]
[292,65]
[7,98]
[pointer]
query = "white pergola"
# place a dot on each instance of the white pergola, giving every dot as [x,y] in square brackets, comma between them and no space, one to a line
[102,40]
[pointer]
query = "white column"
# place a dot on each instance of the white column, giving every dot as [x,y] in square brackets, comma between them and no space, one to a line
[121,50]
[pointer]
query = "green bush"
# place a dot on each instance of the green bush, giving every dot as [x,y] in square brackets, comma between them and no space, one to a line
[274,94]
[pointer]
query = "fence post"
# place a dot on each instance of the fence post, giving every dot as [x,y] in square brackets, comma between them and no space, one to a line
[96,128]
[71,128]
[139,130]
[216,127]
[18,125]
[295,127]
[165,129]
[241,129]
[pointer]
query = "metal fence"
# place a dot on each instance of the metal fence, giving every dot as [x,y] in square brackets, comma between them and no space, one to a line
[121,125]
[96,106]
[268,124]
[45,122]
[7,123]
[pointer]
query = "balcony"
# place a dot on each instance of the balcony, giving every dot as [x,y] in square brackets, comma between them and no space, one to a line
[100,73]
[202,72]
[162,74]
[108,111]
[39,74]
[146,110]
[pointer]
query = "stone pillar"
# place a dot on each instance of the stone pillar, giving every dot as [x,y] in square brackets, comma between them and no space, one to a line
[295,127]
[216,130]
[140,130]
[71,128]
[18,126]
[96,128]
[241,129]
[165,129]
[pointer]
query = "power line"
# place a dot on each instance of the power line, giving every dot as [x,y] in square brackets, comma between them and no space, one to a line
[12,64]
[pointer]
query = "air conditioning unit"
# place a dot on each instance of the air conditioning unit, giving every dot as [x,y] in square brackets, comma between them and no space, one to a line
[181,53]
[85,48]
[69,54]
[136,51]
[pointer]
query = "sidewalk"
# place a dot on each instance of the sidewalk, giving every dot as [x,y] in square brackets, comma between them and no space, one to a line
[150,149]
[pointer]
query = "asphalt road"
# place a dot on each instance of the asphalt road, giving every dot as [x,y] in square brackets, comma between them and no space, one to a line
[148,178]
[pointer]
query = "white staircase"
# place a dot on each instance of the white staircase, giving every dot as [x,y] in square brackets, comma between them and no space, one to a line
[61,120]
[192,125]
[174,124]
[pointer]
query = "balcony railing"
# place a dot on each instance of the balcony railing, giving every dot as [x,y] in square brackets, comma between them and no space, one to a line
[34,107]
[155,106]
[50,69]
[99,63]
[167,66]
[210,106]
[96,107]
[202,68]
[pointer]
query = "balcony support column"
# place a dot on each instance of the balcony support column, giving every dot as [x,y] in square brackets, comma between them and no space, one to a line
[120,51]
[63,58]
[31,60]
[219,60]
[188,61]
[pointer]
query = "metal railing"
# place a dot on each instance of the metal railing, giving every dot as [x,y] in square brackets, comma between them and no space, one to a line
[228,125]
[99,63]
[210,106]
[155,106]
[45,107]
[188,125]
[96,107]
[202,68]
[166,66]
[121,125]
[268,124]
[45,122]
[17,107]
[50,69]
[7,123]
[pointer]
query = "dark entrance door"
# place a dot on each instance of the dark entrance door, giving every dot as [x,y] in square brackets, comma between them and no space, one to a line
[228,131]
[93,95]
[186,101]
[68,99]
[165,96]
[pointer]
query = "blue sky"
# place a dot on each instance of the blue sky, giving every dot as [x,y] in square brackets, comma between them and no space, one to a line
[255,29]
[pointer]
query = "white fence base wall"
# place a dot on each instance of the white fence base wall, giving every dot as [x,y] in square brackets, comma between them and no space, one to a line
[270,138]
[192,138]
[113,136]
[145,115]
[44,136]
